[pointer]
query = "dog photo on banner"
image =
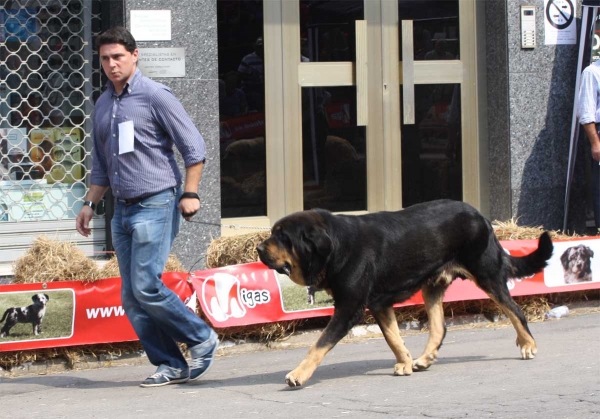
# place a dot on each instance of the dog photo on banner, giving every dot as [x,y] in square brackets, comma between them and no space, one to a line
[31,315]
[573,263]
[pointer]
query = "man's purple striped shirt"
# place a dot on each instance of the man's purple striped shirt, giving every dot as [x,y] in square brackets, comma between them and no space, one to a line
[159,121]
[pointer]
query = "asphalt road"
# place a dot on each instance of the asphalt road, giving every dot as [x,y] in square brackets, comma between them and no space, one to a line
[479,375]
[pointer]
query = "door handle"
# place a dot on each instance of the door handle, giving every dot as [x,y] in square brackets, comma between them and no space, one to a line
[408,73]
[362,75]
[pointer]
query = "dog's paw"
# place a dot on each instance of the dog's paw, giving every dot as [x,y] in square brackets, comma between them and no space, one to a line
[403,369]
[528,349]
[295,378]
[423,362]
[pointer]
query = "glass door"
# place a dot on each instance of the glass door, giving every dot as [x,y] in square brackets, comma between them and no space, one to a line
[328,150]
[439,153]
[365,104]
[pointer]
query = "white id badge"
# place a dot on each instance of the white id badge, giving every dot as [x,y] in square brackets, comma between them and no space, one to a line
[126,137]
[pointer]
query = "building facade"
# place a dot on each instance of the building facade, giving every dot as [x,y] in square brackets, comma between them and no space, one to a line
[354,106]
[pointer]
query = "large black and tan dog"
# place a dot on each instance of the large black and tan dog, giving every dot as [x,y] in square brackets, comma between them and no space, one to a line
[375,260]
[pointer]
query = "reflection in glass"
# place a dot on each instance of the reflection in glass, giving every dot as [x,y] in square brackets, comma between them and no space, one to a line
[435,28]
[242,108]
[327,29]
[431,148]
[333,147]
[333,150]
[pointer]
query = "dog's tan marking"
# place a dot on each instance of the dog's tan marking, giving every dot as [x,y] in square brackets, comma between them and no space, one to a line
[281,256]
[524,340]
[435,313]
[296,275]
[309,364]
[389,326]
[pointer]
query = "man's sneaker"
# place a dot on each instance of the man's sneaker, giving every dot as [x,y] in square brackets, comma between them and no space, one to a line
[161,378]
[203,356]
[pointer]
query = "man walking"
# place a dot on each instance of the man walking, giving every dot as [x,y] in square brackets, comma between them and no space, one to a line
[136,123]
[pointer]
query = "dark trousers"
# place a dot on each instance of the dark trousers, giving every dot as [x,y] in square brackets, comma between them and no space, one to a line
[596,191]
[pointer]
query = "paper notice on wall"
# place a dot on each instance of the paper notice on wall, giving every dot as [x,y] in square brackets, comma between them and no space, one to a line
[151,25]
[559,22]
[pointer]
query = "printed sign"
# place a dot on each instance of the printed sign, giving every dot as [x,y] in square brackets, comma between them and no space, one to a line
[151,25]
[69,313]
[162,62]
[559,22]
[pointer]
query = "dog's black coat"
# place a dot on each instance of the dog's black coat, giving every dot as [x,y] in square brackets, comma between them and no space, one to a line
[33,313]
[376,260]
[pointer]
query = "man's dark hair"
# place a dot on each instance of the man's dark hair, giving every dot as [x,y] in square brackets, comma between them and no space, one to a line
[117,35]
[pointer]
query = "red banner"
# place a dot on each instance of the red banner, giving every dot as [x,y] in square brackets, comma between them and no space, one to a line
[79,313]
[76,312]
[250,293]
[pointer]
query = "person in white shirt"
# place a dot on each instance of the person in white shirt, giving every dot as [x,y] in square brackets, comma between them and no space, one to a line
[589,118]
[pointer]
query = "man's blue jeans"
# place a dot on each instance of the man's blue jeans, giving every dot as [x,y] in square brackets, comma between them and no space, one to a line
[142,236]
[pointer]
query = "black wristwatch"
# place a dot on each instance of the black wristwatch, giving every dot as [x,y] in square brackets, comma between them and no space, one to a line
[189,195]
[90,204]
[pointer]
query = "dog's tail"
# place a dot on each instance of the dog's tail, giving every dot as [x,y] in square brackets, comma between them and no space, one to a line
[5,314]
[534,262]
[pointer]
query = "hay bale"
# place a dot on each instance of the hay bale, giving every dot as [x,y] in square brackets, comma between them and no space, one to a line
[111,268]
[234,250]
[50,260]
[509,230]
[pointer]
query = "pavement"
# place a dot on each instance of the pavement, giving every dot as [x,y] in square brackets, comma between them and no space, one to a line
[479,374]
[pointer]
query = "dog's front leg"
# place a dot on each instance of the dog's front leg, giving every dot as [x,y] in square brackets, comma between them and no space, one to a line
[338,327]
[389,327]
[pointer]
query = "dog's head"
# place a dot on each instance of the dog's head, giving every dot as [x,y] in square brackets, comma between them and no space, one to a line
[576,259]
[40,299]
[299,246]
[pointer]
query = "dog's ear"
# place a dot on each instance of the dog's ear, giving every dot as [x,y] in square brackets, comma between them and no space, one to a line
[35,298]
[565,258]
[47,297]
[320,241]
[589,252]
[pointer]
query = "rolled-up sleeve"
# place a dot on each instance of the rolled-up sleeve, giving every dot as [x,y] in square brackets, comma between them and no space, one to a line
[99,174]
[173,118]
[588,97]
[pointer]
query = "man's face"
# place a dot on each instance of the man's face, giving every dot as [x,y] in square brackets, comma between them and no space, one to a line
[118,63]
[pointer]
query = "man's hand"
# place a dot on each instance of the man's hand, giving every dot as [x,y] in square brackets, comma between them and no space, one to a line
[596,151]
[189,207]
[592,134]
[83,221]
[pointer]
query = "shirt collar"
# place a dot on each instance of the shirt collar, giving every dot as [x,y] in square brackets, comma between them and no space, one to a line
[129,86]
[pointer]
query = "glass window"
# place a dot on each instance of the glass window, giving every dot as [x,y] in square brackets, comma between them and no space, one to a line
[435,28]
[327,29]
[242,108]
[333,150]
[431,148]
[46,94]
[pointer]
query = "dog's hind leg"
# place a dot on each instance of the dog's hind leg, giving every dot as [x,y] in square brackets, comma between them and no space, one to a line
[389,326]
[498,292]
[433,295]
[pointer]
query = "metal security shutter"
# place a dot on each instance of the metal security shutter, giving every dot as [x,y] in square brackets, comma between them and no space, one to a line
[49,82]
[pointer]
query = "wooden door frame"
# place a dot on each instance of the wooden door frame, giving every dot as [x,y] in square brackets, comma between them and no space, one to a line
[285,75]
